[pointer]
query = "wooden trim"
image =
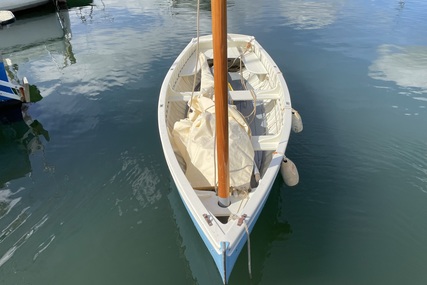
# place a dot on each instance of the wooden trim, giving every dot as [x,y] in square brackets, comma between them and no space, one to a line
[219,38]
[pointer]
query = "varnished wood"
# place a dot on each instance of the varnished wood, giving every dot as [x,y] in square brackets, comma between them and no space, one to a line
[219,34]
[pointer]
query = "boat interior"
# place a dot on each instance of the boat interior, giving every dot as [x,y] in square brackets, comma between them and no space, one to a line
[254,90]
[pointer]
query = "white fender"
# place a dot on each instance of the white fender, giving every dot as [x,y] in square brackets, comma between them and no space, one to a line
[6,17]
[296,121]
[289,172]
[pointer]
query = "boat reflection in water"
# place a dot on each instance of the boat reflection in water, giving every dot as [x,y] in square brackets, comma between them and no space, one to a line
[39,45]
[37,35]
[33,29]
[20,136]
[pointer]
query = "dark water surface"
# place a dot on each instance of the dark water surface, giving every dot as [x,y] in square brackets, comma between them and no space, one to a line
[86,196]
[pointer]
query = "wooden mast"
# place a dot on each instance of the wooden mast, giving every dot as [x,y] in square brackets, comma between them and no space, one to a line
[219,36]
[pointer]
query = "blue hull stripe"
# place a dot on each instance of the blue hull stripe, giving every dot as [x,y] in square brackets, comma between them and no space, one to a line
[6,93]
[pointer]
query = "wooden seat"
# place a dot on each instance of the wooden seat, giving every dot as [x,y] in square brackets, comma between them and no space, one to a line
[253,64]
[248,95]
[237,95]
[250,60]
[263,143]
[190,66]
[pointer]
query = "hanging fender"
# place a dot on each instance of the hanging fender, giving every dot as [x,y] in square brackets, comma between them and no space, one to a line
[296,122]
[289,172]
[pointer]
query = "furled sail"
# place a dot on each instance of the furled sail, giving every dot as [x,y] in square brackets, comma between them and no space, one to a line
[194,138]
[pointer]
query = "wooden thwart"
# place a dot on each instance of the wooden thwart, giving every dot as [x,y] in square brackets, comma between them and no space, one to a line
[236,95]
[250,60]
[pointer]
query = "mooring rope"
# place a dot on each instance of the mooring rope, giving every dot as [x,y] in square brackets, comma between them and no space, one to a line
[249,249]
[236,217]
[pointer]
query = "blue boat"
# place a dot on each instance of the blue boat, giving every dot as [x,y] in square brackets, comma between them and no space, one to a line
[11,92]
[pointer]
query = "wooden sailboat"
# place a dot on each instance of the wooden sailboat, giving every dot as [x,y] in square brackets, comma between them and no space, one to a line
[224,118]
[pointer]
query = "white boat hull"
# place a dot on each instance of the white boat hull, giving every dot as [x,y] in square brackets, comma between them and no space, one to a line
[223,230]
[15,5]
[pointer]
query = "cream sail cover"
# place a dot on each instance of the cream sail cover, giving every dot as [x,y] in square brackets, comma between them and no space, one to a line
[194,138]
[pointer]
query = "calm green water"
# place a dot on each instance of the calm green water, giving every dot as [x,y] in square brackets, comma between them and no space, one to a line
[87,198]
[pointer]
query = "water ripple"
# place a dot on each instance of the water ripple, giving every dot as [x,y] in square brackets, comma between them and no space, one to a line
[310,14]
[141,179]
[43,246]
[6,202]
[15,224]
[24,238]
